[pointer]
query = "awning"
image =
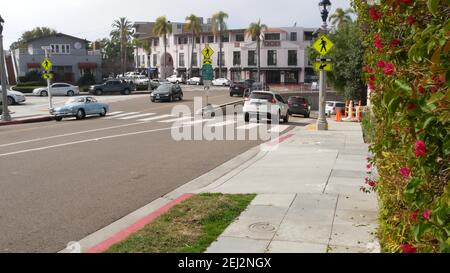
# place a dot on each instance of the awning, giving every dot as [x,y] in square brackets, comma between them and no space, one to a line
[87,65]
[33,65]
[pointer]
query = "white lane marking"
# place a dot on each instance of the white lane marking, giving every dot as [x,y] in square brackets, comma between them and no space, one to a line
[196,122]
[156,118]
[221,124]
[279,129]
[175,120]
[249,126]
[138,116]
[123,115]
[115,113]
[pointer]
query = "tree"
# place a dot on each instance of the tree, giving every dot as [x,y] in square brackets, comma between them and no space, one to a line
[123,29]
[35,33]
[254,31]
[193,25]
[348,58]
[341,17]
[162,28]
[219,26]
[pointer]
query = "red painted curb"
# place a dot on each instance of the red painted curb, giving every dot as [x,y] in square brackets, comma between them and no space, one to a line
[280,140]
[24,121]
[122,235]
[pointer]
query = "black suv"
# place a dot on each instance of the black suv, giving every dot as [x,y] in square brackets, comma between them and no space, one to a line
[239,88]
[167,92]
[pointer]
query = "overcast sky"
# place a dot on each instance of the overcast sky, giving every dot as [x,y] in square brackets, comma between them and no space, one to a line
[92,19]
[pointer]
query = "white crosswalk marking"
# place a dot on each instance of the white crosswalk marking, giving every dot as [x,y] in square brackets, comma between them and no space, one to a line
[115,113]
[249,126]
[196,122]
[279,129]
[225,123]
[155,118]
[138,116]
[123,115]
[175,120]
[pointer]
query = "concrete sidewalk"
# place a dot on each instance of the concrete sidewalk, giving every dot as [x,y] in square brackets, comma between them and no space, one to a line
[309,197]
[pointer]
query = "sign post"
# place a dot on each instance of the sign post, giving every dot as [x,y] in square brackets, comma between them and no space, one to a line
[207,70]
[47,65]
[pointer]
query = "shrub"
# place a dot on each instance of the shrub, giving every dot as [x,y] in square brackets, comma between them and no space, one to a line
[32,76]
[408,69]
[86,79]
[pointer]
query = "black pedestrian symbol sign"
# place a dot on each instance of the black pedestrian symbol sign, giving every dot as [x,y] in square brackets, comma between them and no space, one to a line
[323,66]
[207,52]
[46,64]
[323,45]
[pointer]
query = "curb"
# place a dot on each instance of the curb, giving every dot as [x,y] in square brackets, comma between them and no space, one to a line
[213,108]
[25,121]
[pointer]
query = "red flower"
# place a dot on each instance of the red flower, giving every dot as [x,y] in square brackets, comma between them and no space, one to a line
[411,106]
[420,148]
[373,184]
[438,79]
[369,166]
[422,89]
[372,86]
[389,69]
[406,2]
[378,42]
[411,20]
[368,69]
[405,172]
[408,248]
[372,78]
[426,214]
[381,64]
[375,14]
[414,215]
[394,43]
[433,89]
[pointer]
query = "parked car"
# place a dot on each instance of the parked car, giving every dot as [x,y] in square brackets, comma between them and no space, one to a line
[332,106]
[315,86]
[221,82]
[155,83]
[14,97]
[299,106]
[80,107]
[266,104]
[167,92]
[195,81]
[121,86]
[175,79]
[58,89]
[241,87]
[260,86]
[139,80]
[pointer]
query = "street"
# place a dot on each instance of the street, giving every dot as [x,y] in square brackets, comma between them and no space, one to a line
[64,181]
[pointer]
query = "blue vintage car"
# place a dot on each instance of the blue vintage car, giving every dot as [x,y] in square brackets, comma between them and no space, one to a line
[80,107]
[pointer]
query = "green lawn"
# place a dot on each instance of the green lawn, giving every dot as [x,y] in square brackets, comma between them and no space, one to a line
[189,227]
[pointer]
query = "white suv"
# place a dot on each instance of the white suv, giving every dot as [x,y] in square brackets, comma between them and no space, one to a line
[266,104]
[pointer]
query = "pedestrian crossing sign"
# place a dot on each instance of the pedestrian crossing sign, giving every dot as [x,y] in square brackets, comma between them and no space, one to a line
[46,64]
[323,45]
[47,76]
[323,66]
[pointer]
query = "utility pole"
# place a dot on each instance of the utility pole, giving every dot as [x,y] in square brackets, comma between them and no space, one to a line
[50,97]
[5,111]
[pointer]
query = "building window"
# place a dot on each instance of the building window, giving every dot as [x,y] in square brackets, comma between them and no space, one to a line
[221,57]
[293,36]
[225,38]
[309,36]
[182,40]
[240,37]
[210,39]
[272,36]
[194,59]
[292,57]
[251,57]
[156,42]
[60,49]
[272,57]
[237,58]
[181,60]
[155,60]
[197,40]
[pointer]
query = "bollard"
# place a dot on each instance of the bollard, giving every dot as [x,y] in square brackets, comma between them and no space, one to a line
[346,109]
[338,115]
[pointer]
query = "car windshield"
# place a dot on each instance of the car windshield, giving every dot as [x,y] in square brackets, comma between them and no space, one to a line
[261,96]
[75,100]
[331,104]
[164,88]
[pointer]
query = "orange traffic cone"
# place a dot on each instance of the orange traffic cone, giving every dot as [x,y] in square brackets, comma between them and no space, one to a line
[338,115]
[346,109]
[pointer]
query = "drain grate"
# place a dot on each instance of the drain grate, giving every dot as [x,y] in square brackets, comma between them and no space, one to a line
[262,227]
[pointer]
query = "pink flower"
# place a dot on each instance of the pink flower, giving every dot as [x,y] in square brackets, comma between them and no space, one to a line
[426,214]
[411,106]
[421,89]
[381,64]
[373,184]
[369,166]
[405,172]
[420,148]
[389,69]
[394,43]
[368,69]
[411,20]
[414,215]
[406,2]
[375,14]
[378,42]
[372,86]
[408,248]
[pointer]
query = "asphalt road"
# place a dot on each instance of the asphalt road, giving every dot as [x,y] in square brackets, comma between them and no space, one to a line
[60,182]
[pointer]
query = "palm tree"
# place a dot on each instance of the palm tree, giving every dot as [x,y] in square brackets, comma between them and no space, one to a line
[162,28]
[341,17]
[193,25]
[123,29]
[254,31]
[218,27]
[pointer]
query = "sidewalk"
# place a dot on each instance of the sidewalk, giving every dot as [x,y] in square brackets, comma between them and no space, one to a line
[309,197]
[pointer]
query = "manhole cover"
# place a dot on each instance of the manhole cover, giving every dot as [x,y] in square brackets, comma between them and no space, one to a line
[262,227]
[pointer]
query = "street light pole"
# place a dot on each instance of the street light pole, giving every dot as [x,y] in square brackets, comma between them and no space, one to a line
[5,111]
[322,124]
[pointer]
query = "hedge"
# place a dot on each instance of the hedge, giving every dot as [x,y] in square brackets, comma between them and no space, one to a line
[408,71]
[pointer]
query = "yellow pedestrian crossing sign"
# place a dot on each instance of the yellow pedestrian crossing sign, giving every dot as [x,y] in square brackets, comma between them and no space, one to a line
[323,45]
[47,76]
[46,64]
[323,66]
[207,52]
[207,61]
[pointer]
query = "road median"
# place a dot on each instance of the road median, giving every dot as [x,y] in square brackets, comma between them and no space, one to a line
[26,120]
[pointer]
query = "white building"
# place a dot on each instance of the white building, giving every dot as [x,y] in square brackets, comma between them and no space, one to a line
[283,53]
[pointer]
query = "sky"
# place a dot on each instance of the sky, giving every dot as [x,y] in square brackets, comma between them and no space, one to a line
[92,19]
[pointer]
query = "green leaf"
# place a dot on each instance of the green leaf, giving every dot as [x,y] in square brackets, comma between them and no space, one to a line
[428,122]
[436,97]
[403,86]
[393,104]
[433,6]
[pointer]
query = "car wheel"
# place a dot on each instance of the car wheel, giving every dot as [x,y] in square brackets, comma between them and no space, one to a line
[103,112]
[198,83]
[70,93]
[247,117]
[286,118]
[80,114]
[44,94]
[308,115]
[58,118]
[231,94]
[181,97]
[126,92]
[98,92]
[152,100]
[10,101]
[171,98]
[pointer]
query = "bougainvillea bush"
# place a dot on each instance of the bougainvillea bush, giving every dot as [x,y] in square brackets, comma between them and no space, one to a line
[407,69]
